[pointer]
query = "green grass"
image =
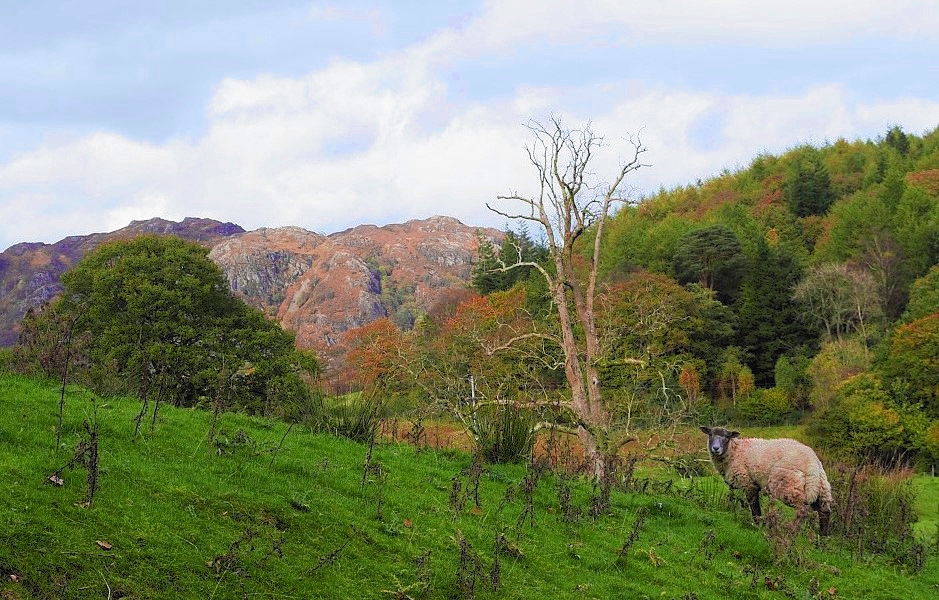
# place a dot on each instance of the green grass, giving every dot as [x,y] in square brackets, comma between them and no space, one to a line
[187,518]
[927,506]
[796,432]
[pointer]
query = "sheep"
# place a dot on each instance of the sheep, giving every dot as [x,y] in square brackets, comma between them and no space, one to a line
[786,469]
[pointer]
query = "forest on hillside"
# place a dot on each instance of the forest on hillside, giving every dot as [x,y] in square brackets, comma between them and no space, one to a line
[803,288]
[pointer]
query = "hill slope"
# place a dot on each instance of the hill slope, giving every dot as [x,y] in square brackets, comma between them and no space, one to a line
[257,514]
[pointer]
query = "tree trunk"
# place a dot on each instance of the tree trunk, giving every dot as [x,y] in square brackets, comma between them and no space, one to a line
[584,380]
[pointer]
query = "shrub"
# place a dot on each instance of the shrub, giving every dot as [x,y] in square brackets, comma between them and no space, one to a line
[837,361]
[863,422]
[355,416]
[875,509]
[6,360]
[292,400]
[765,407]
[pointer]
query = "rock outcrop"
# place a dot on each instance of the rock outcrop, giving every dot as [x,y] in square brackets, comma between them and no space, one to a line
[321,286]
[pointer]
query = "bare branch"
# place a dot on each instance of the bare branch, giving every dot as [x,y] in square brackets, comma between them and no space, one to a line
[555,427]
[511,215]
[516,339]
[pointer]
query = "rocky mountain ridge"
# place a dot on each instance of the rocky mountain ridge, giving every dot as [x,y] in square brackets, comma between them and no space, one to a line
[316,285]
[321,286]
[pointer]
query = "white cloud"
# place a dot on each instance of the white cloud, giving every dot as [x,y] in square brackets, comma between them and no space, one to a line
[751,124]
[262,161]
[142,206]
[386,141]
[766,23]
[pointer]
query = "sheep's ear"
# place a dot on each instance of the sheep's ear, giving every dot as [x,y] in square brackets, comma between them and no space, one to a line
[706,430]
[734,434]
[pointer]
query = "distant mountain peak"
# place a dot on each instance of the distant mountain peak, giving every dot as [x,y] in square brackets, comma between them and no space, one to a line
[321,286]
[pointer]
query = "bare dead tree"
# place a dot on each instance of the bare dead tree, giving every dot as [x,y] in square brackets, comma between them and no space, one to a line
[841,297]
[566,206]
[68,355]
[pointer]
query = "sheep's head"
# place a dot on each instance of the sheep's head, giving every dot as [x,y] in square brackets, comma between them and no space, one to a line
[718,440]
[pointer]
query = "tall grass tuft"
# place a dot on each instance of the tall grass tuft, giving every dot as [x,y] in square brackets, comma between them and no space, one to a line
[874,510]
[356,416]
[503,433]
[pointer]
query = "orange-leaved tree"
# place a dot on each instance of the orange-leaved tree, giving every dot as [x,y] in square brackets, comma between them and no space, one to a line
[377,357]
[469,362]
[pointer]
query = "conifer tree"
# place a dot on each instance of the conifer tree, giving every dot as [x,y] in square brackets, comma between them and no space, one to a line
[808,189]
[768,315]
[712,257]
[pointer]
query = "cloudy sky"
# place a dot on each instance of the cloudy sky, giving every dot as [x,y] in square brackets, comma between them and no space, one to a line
[327,115]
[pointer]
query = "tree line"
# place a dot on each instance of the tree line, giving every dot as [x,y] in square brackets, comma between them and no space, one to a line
[804,286]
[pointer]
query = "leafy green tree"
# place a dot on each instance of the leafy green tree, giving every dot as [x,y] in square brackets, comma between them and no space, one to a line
[160,316]
[637,240]
[892,188]
[850,223]
[808,188]
[734,379]
[792,379]
[916,227]
[836,361]
[914,360]
[650,317]
[712,257]
[678,332]
[711,326]
[924,296]
[768,314]
[848,163]
[642,318]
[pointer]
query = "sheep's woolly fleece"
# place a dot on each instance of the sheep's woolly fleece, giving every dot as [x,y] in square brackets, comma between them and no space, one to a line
[788,470]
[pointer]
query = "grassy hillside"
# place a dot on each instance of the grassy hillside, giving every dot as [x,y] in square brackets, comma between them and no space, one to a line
[244,516]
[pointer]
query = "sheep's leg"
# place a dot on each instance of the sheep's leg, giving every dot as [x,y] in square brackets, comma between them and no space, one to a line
[801,511]
[824,517]
[753,497]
